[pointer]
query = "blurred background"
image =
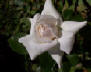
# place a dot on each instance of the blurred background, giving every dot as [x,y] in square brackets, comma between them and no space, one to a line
[14,24]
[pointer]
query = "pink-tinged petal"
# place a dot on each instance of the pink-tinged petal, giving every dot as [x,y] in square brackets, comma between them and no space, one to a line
[73,26]
[49,9]
[34,49]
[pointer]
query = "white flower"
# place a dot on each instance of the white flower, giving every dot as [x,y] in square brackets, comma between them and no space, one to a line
[45,34]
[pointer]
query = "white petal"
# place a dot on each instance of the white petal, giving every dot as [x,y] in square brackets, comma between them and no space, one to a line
[34,49]
[49,9]
[66,41]
[69,28]
[56,54]
[33,23]
[73,26]
[58,59]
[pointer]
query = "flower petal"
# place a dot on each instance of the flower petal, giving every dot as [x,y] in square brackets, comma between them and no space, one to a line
[34,49]
[66,41]
[56,54]
[58,59]
[73,26]
[69,28]
[49,9]
[33,23]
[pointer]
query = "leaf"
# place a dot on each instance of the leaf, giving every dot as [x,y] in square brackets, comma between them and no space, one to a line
[81,6]
[72,69]
[33,12]
[19,2]
[73,59]
[67,14]
[46,62]
[77,17]
[89,1]
[15,45]
[65,67]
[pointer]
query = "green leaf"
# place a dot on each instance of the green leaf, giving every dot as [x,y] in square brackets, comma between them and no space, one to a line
[15,45]
[25,25]
[46,62]
[18,2]
[67,14]
[77,17]
[89,1]
[73,59]
[81,6]
[65,67]
[33,12]
[73,69]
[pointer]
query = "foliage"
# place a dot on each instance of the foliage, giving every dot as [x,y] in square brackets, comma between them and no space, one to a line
[14,23]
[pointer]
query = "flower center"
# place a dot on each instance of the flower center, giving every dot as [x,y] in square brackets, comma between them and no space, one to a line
[47,29]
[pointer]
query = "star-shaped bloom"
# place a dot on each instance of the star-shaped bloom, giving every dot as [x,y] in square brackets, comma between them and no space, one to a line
[50,33]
